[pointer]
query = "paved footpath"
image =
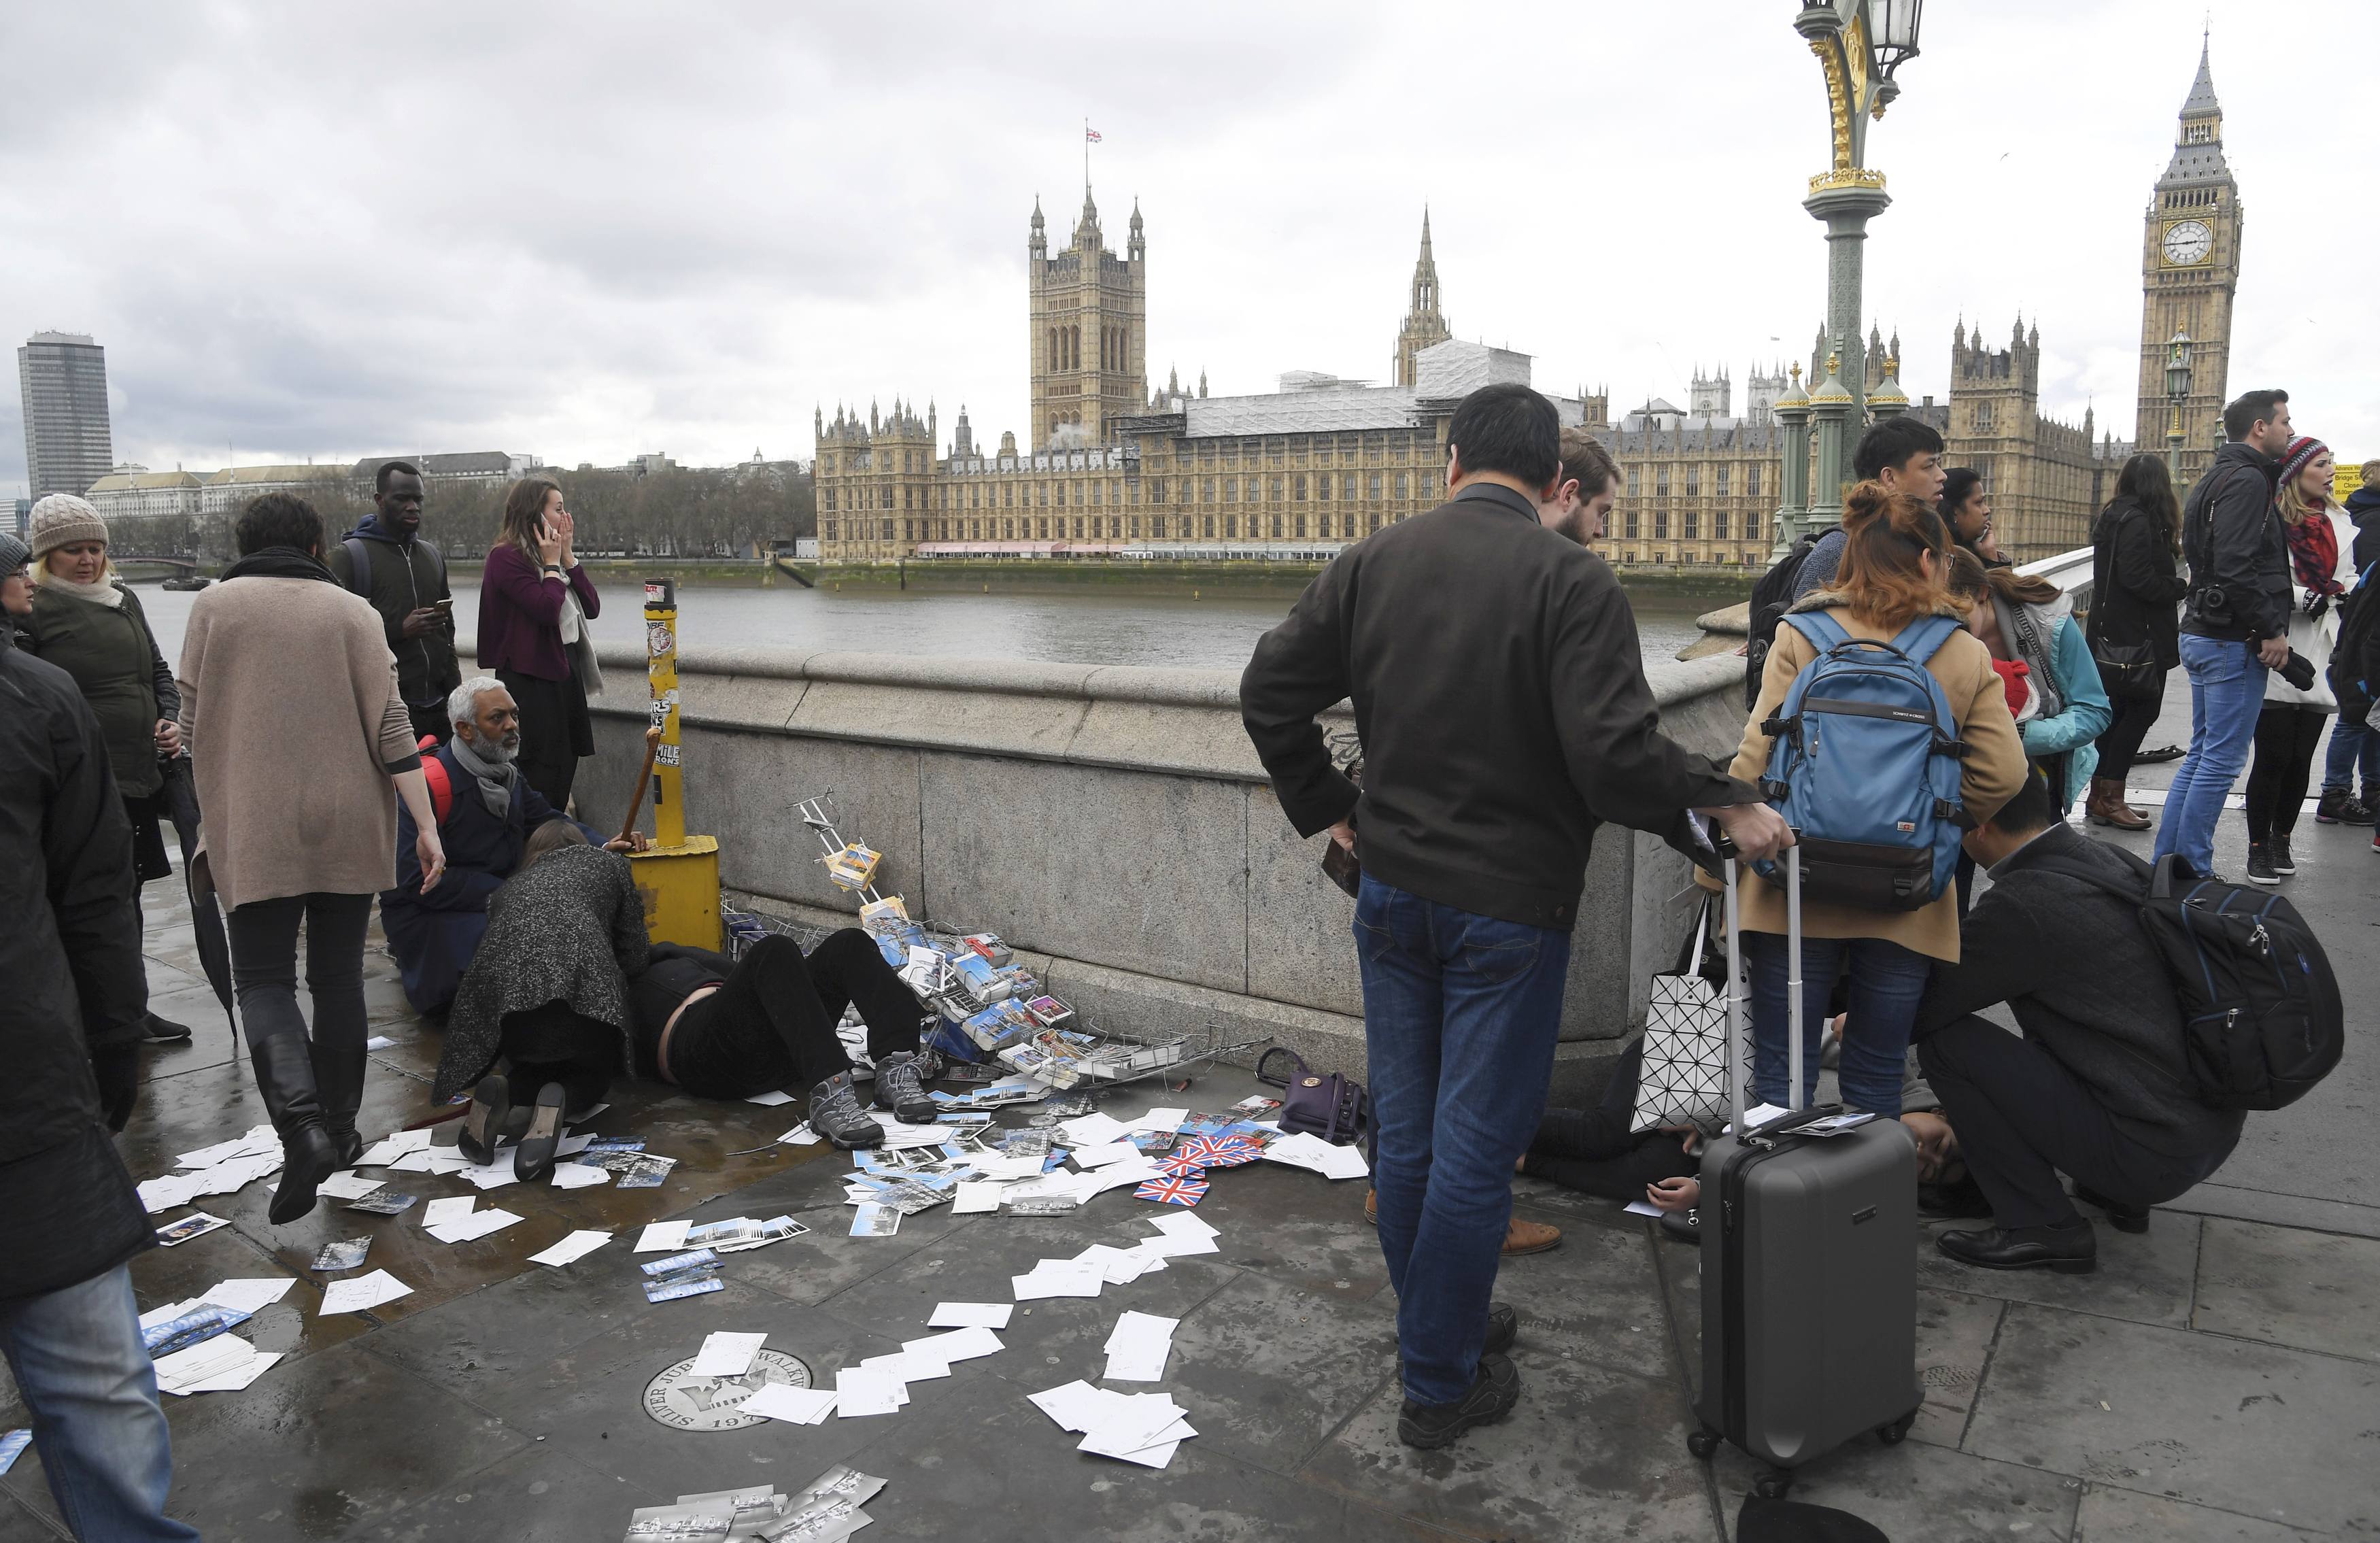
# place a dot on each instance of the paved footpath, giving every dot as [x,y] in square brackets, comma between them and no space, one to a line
[2218,1378]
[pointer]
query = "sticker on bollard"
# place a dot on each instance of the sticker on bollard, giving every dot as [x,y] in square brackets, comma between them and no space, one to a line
[685,1401]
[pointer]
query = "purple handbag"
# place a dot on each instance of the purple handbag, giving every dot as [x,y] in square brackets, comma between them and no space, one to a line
[1333,1107]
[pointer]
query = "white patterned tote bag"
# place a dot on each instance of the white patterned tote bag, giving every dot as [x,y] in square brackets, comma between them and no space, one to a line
[1684,1081]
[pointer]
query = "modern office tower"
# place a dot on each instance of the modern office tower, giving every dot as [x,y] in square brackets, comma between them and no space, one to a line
[64,380]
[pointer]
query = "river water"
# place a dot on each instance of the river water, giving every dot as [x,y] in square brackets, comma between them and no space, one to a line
[1058,629]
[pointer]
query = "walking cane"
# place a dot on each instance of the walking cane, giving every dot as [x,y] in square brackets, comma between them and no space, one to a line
[644,780]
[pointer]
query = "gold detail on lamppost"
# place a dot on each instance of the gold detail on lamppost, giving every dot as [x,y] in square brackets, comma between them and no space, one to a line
[1847,177]
[1839,101]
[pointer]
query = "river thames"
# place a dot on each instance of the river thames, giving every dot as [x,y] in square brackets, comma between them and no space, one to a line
[1057,629]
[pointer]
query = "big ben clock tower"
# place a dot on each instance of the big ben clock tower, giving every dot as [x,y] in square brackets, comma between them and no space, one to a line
[2189,271]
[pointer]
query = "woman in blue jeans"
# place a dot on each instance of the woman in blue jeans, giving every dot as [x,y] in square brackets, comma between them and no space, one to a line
[1892,574]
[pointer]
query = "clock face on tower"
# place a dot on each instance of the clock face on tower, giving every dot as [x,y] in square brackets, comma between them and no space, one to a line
[2187,242]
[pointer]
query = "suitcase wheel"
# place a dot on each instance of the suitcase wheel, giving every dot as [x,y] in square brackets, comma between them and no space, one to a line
[1891,1435]
[1772,1486]
[1703,1443]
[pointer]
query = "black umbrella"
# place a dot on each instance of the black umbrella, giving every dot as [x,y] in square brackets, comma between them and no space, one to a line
[206,918]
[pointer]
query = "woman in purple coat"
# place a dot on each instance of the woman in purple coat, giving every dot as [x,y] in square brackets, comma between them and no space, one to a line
[535,603]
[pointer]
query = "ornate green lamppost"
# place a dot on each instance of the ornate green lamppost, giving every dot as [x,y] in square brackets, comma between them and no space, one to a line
[2176,391]
[1859,45]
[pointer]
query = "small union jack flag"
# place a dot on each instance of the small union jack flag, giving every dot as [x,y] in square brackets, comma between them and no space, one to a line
[1090,135]
[1173,1192]
[1181,1166]
[1219,1151]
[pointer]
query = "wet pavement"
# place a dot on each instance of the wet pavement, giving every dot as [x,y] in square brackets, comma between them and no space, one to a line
[2218,1378]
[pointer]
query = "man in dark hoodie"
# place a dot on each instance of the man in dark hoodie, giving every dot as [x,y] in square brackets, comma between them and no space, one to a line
[2097,1086]
[405,579]
[2235,620]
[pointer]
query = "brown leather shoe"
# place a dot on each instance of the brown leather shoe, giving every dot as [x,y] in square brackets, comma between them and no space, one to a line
[1530,1237]
[2106,806]
[1372,1207]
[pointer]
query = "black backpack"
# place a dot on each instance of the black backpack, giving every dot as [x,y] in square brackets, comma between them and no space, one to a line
[2261,1018]
[2353,665]
[1771,597]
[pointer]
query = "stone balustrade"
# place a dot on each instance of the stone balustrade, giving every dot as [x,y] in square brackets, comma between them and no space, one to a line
[1113,824]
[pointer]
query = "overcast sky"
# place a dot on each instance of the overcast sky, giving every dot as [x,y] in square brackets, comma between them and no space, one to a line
[585,231]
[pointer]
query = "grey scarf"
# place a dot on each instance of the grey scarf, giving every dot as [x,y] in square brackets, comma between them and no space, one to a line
[495,778]
[2028,629]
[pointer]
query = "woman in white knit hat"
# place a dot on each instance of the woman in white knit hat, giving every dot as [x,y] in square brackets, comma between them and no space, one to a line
[88,624]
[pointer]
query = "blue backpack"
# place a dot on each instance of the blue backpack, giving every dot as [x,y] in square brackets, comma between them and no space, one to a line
[1865,767]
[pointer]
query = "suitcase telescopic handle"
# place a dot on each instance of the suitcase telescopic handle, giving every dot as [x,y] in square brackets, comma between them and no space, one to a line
[1738,1073]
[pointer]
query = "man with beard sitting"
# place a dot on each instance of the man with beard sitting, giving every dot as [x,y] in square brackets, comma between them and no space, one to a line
[486,810]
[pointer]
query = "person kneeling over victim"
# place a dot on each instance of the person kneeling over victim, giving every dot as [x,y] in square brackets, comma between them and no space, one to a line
[2098,1086]
[768,1022]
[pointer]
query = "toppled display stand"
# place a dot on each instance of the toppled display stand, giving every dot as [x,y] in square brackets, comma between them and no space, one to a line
[988,1008]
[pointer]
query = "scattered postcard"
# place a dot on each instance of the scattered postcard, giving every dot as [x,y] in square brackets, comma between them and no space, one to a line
[726,1354]
[189,1227]
[875,1219]
[578,1175]
[782,1400]
[570,1250]
[346,1255]
[979,1195]
[646,1172]
[862,1391]
[380,1043]
[1139,1346]
[963,1344]
[971,1314]
[349,1185]
[1057,1277]
[670,1291]
[360,1292]
[478,1224]
[248,1295]
[770,1100]
[678,1263]
[12,1446]
[663,1236]
[384,1201]
[454,1208]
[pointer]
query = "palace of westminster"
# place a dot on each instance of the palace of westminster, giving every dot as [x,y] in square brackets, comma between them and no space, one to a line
[1116,470]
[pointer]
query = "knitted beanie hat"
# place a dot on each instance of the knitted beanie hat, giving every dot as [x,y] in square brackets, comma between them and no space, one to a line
[2299,455]
[14,554]
[62,519]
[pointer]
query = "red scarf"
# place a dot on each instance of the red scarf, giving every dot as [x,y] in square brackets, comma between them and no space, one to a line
[2314,550]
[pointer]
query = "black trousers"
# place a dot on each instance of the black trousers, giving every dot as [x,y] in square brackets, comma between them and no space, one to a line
[263,935]
[2133,715]
[1593,1150]
[554,1043]
[2022,1119]
[2288,738]
[556,732]
[772,1022]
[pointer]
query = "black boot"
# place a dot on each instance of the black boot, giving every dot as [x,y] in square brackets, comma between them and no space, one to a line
[285,1074]
[339,1078]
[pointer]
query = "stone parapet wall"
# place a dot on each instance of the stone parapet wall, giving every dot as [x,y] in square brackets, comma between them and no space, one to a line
[1113,823]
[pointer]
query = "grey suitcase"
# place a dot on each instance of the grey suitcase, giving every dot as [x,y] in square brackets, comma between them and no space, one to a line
[1809,1279]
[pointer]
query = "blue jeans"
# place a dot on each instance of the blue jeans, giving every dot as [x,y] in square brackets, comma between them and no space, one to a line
[80,1366]
[2351,741]
[1461,1014]
[2226,692]
[1886,982]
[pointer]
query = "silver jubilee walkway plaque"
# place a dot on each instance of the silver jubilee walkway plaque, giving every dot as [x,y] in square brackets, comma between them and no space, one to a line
[685,1401]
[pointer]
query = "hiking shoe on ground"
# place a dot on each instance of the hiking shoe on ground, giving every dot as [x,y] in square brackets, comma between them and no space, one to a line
[898,1090]
[2341,807]
[1493,1394]
[1504,1329]
[2260,864]
[836,1113]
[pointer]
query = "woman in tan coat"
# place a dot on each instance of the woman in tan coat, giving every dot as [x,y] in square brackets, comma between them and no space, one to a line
[1892,575]
[296,727]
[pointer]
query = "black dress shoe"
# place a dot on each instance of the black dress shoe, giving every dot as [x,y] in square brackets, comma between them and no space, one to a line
[1683,1226]
[2072,1249]
[533,1160]
[1493,1392]
[484,1125]
[156,1030]
[1504,1328]
[2122,1215]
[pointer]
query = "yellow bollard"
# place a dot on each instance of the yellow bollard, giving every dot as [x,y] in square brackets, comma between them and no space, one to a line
[677,877]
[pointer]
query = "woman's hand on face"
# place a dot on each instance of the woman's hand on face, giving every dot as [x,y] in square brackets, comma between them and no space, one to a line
[169,737]
[551,543]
